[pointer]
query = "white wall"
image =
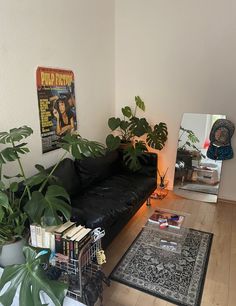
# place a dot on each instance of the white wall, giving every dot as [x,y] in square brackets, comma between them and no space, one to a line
[179,56]
[76,35]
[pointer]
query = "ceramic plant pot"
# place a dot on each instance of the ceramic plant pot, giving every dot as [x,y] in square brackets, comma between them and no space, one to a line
[12,253]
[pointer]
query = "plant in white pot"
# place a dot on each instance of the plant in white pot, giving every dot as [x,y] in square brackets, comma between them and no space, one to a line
[38,199]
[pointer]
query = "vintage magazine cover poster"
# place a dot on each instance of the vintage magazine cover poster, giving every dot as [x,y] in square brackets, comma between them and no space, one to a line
[56,101]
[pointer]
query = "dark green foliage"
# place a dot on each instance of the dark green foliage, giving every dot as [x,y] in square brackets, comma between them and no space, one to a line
[31,279]
[131,127]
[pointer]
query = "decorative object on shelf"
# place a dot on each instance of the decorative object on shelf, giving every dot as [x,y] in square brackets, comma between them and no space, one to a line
[161,191]
[220,140]
[129,129]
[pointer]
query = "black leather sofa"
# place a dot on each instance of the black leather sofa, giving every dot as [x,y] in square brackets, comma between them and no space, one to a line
[104,193]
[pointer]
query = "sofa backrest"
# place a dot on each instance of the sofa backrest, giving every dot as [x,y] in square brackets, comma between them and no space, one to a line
[67,176]
[93,170]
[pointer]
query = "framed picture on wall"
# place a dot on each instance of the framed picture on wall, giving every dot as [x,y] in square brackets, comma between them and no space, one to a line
[56,102]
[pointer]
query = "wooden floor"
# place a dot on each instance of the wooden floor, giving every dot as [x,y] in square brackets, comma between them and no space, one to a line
[220,284]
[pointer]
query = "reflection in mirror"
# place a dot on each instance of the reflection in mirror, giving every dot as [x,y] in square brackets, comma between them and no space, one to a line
[196,176]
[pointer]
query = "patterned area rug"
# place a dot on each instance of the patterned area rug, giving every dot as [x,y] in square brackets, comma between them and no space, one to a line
[176,275]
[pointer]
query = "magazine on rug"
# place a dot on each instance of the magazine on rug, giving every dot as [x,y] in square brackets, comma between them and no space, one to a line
[165,219]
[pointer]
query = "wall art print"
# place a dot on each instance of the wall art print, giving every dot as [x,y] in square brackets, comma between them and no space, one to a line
[56,102]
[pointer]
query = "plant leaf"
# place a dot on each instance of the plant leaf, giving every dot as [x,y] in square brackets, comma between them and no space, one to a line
[157,138]
[45,209]
[127,112]
[15,134]
[114,123]
[14,187]
[80,147]
[32,280]
[124,125]
[112,142]
[4,202]
[139,126]
[132,154]
[140,104]
[35,179]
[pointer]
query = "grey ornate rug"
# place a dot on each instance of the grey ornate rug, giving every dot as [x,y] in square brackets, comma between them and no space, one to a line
[176,275]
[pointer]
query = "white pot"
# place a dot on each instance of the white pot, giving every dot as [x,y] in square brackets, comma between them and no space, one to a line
[12,253]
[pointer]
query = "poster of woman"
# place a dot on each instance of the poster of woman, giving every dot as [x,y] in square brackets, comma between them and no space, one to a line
[56,101]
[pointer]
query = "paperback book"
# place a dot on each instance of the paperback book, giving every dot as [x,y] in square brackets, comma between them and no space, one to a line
[166,219]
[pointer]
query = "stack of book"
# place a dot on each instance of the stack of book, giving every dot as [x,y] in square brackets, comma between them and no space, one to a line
[43,237]
[67,239]
[70,239]
[166,219]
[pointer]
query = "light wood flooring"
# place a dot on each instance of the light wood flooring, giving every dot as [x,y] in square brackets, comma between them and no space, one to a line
[220,284]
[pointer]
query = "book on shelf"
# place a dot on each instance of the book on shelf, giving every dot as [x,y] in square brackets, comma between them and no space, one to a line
[166,219]
[80,240]
[42,237]
[59,232]
[66,239]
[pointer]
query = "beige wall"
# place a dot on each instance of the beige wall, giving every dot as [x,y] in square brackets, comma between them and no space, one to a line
[76,35]
[179,56]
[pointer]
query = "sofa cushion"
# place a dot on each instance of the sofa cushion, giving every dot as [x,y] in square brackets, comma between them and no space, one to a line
[93,170]
[67,176]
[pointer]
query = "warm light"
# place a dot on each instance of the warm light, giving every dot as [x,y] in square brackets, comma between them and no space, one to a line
[206,144]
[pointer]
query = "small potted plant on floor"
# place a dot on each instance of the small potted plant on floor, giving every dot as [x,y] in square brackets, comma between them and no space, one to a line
[129,130]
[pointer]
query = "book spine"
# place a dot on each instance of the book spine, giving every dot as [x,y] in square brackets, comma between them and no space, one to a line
[67,248]
[84,242]
[39,237]
[64,248]
[58,243]
[71,247]
[47,240]
[33,235]
[52,243]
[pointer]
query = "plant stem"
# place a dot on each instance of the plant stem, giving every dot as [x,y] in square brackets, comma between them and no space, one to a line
[0,172]
[51,172]
[21,169]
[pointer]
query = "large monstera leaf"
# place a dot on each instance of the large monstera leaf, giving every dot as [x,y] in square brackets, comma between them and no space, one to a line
[32,280]
[113,142]
[139,126]
[80,147]
[157,138]
[43,209]
[132,155]
[15,135]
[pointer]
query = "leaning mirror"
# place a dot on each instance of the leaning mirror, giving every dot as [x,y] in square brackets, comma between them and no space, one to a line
[196,176]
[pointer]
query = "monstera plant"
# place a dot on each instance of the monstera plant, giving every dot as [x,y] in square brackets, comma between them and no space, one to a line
[31,279]
[37,199]
[129,129]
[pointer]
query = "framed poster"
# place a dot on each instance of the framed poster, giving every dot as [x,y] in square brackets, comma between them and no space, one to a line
[56,102]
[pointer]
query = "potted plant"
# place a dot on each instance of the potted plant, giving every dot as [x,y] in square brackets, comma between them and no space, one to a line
[34,200]
[130,128]
[187,145]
